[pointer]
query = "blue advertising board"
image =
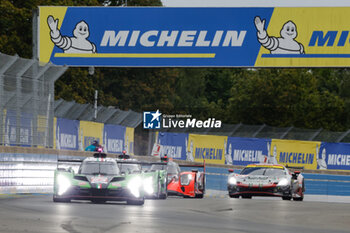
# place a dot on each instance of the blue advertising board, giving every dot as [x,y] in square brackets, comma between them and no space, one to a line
[244,151]
[25,130]
[67,134]
[334,156]
[173,145]
[113,138]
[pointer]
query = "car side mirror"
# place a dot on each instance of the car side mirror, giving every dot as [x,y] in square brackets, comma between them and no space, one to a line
[230,170]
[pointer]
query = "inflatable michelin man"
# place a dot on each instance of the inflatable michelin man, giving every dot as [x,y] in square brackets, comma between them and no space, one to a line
[76,44]
[286,44]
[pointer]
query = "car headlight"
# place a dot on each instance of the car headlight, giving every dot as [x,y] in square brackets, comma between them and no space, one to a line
[63,184]
[185,179]
[232,180]
[283,182]
[134,186]
[148,185]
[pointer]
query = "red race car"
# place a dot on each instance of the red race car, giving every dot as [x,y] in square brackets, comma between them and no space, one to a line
[185,183]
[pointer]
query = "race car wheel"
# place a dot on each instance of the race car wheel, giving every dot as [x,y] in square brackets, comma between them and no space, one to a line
[287,198]
[163,196]
[199,195]
[246,197]
[55,199]
[136,202]
[234,196]
[298,198]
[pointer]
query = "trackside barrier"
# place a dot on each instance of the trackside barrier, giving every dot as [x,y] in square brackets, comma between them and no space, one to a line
[31,171]
[238,151]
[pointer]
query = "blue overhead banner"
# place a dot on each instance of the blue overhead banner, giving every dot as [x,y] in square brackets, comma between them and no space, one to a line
[149,36]
[113,138]
[244,151]
[67,134]
[194,37]
[334,156]
[173,145]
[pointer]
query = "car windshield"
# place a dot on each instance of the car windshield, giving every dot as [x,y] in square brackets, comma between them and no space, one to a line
[263,171]
[129,168]
[96,168]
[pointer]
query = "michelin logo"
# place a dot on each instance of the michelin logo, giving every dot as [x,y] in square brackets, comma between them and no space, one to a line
[151,120]
[75,44]
[286,44]
[186,38]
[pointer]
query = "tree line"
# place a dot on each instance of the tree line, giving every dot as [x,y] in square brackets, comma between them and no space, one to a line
[306,98]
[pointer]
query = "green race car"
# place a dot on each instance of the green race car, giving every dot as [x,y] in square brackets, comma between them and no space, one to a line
[154,181]
[155,184]
[99,179]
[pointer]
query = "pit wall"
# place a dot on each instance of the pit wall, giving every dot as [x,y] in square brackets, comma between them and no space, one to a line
[309,155]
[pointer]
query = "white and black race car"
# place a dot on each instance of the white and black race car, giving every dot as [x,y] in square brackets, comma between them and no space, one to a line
[266,180]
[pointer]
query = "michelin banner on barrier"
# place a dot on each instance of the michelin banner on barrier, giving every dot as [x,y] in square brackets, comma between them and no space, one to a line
[231,37]
[173,145]
[66,134]
[244,151]
[334,156]
[25,130]
[295,153]
[206,147]
[88,132]
[113,138]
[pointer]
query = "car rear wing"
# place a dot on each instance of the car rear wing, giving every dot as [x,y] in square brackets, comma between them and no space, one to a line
[194,165]
[67,162]
[295,167]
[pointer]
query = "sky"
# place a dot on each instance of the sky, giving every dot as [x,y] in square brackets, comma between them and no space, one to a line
[253,3]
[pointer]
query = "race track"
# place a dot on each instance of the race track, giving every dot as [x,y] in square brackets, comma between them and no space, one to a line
[39,214]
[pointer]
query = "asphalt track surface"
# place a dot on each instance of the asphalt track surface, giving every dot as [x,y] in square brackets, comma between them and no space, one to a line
[39,214]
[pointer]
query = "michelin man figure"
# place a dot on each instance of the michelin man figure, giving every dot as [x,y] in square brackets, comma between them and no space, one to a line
[76,44]
[286,44]
[228,154]
[273,158]
[321,162]
[190,152]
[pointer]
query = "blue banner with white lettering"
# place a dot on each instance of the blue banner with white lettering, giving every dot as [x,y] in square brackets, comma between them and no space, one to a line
[194,37]
[113,138]
[334,156]
[67,134]
[244,151]
[25,130]
[10,128]
[173,145]
[151,36]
